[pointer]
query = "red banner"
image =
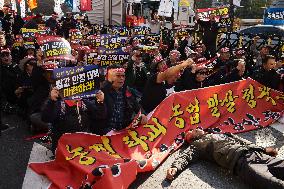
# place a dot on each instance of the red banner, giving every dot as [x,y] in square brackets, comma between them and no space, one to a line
[86,5]
[221,12]
[112,162]
[221,15]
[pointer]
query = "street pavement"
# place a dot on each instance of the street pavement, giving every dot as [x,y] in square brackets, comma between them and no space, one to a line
[16,152]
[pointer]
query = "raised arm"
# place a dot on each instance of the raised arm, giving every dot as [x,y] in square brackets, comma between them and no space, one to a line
[173,70]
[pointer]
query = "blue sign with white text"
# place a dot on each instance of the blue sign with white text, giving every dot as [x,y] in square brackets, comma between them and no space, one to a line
[274,16]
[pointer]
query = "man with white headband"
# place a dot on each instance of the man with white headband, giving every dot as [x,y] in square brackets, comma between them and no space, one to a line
[117,102]
[156,87]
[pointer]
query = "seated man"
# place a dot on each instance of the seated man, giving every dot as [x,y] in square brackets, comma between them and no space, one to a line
[10,76]
[256,166]
[64,116]
[115,105]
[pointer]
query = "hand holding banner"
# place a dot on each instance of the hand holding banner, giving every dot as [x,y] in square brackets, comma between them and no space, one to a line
[77,82]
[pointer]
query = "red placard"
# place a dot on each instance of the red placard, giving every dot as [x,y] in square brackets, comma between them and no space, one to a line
[55,48]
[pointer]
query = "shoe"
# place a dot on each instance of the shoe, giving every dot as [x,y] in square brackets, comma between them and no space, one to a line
[4,126]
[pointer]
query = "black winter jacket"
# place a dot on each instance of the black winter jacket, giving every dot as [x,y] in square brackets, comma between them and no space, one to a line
[268,78]
[100,113]
[10,81]
[210,30]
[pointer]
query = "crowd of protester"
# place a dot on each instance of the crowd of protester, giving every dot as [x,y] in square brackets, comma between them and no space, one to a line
[140,84]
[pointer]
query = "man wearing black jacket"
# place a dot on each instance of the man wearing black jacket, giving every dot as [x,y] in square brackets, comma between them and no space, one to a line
[11,75]
[2,44]
[68,23]
[210,32]
[2,125]
[52,22]
[117,103]
[266,74]
[200,77]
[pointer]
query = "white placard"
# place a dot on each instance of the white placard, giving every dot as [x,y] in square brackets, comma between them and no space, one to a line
[166,8]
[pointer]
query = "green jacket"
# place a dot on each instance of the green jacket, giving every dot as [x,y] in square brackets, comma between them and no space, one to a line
[223,149]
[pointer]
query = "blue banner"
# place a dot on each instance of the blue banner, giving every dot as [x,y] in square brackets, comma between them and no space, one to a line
[274,16]
[77,82]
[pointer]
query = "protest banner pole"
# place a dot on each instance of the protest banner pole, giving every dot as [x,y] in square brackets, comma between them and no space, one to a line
[269,41]
[195,38]
[161,38]
[241,42]
[232,15]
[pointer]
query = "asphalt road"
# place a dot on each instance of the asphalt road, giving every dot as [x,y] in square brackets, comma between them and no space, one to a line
[14,153]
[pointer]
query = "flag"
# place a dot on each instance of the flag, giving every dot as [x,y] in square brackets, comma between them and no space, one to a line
[32,4]
[237,3]
[165,8]
[69,3]
[86,5]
